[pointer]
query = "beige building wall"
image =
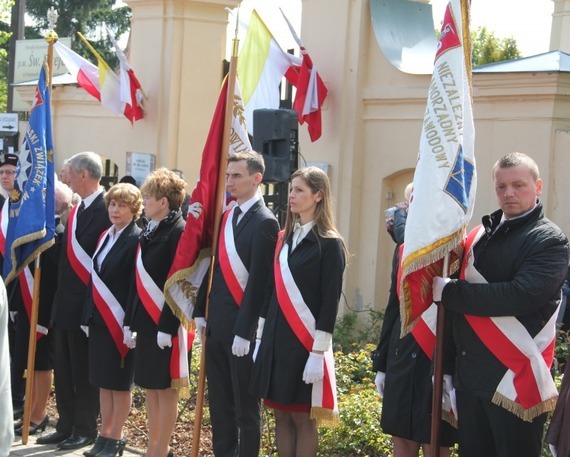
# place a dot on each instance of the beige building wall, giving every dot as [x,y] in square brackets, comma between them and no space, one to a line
[176,50]
[372,118]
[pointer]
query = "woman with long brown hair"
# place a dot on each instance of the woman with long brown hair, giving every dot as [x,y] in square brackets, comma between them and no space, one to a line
[294,367]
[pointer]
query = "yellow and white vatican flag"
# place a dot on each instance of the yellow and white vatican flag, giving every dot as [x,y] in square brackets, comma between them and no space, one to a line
[261,67]
[443,196]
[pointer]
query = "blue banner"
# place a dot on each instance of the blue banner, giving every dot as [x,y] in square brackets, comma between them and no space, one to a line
[31,223]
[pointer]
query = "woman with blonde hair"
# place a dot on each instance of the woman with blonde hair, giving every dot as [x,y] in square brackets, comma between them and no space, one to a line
[160,357]
[294,366]
[110,360]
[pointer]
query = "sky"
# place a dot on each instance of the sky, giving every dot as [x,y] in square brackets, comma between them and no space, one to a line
[528,21]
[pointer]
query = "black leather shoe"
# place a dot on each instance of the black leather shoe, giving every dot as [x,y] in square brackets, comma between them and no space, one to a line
[75,442]
[99,445]
[52,438]
[34,428]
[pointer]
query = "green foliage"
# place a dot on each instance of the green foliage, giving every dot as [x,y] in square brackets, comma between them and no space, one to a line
[349,335]
[488,48]
[90,17]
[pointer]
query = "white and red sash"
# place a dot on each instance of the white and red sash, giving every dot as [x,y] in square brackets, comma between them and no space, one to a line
[4,217]
[152,299]
[80,261]
[324,406]
[527,389]
[108,306]
[233,270]
[26,280]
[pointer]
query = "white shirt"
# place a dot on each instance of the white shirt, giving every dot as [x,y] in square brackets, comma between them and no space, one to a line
[245,206]
[301,232]
[112,237]
[91,198]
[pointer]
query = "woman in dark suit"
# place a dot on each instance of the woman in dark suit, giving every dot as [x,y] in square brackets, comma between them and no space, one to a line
[295,364]
[111,365]
[159,357]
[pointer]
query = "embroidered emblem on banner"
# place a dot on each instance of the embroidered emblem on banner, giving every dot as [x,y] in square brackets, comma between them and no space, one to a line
[458,183]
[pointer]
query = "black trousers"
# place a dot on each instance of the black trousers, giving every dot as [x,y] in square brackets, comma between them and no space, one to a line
[488,430]
[77,400]
[234,411]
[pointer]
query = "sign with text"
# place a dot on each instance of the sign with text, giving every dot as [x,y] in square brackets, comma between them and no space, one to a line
[139,165]
[30,55]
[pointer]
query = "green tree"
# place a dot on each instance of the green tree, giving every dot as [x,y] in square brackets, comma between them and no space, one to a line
[90,17]
[488,48]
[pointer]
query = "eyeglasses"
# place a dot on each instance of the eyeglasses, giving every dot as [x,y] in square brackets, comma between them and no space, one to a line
[7,172]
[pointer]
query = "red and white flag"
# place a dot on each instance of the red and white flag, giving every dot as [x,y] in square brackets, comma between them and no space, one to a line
[130,88]
[193,254]
[311,90]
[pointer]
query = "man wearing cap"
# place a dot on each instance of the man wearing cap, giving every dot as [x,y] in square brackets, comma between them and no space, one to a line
[8,168]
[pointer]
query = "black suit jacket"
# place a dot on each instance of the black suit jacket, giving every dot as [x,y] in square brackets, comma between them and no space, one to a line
[157,256]
[70,295]
[117,272]
[255,238]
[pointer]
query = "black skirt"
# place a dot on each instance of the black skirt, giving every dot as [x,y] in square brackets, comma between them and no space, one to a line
[107,368]
[152,364]
[44,348]
[406,406]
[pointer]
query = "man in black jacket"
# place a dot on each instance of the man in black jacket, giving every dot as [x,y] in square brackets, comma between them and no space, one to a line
[241,284]
[77,400]
[504,309]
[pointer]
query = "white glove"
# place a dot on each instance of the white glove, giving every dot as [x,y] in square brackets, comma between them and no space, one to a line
[240,346]
[200,327]
[553,450]
[43,330]
[314,368]
[129,338]
[448,399]
[380,380]
[85,329]
[13,315]
[437,287]
[163,340]
[195,209]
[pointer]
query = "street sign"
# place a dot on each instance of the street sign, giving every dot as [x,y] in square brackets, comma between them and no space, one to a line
[8,122]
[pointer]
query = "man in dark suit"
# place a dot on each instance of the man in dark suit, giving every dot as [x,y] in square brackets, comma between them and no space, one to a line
[241,285]
[77,400]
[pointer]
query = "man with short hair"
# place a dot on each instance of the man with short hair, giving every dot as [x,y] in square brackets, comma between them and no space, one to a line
[242,278]
[504,309]
[77,400]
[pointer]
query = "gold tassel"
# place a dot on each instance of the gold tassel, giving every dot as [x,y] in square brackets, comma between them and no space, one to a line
[527,415]
[325,417]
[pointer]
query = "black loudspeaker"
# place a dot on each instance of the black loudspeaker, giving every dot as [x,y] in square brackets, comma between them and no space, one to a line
[276,137]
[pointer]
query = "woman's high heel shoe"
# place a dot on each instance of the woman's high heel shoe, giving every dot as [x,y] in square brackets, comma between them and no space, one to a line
[113,448]
[170,453]
[34,428]
[98,447]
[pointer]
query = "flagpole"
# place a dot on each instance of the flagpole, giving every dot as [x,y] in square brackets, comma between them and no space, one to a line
[220,198]
[436,407]
[51,38]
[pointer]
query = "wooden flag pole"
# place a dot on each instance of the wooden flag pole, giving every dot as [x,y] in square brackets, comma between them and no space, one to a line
[51,38]
[438,373]
[30,369]
[220,198]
